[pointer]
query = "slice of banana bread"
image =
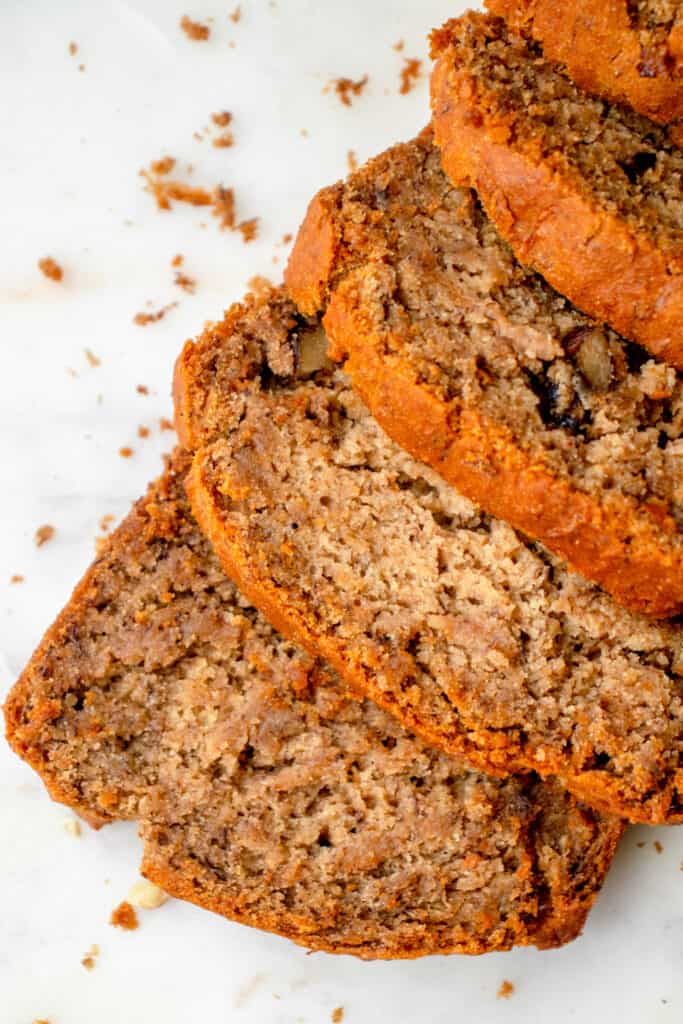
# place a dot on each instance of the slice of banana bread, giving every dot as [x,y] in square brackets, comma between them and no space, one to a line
[477,640]
[265,792]
[587,193]
[477,367]
[628,51]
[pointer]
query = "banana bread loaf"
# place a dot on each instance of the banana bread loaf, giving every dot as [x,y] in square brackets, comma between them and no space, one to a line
[586,193]
[268,794]
[628,51]
[477,640]
[477,367]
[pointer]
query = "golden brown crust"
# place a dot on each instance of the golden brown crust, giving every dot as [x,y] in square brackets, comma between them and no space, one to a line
[623,548]
[625,552]
[605,266]
[488,749]
[603,52]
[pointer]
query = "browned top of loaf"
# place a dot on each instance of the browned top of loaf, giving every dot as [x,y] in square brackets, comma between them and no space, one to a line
[587,193]
[477,366]
[265,792]
[628,51]
[478,640]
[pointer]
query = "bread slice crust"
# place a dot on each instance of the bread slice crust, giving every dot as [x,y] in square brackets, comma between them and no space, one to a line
[607,51]
[265,791]
[610,265]
[631,546]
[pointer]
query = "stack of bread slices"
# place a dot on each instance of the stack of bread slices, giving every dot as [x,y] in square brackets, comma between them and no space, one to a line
[389,654]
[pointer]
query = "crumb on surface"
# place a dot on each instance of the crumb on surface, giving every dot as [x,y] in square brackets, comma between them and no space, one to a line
[165,424]
[162,166]
[124,917]
[222,118]
[126,452]
[398,46]
[506,990]
[177,260]
[50,268]
[44,534]
[142,389]
[352,160]
[184,281]
[166,192]
[236,14]
[337,1015]
[410,72]
[194,29]
[248,229]
[72,826]
[90,959]
[223,141]
[142,319]
[146,895]
[41,1020]
[73,48]
[640,845]
[106,521]
[93,360]
[658,846]
[287,238]
[346,88]
[81,67]
[224,207]
[143,431]
[16,578]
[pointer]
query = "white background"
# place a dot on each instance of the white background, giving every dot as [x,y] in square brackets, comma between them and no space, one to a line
[71,146]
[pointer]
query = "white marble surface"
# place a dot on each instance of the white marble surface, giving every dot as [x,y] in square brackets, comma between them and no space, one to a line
[72,145]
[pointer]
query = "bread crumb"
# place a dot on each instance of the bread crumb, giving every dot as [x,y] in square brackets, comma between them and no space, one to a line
[194,29]
[143,431]
[166,192]
[81,67]
[236,15]
[41,1020]
[640,845]
[126,452]
[44,534]
[142,389]
[222,118]
[51,268]
[346,88]
[124,917]
[184,281]
[106,521]
[92,358]
[410,73]
[73,49]
[223,141]
[248,229]
[142,319]
[338,1015]
[658,846]
[90,959]
[259,285]
[73,827]
[352,160]
[177,260]
[398,46]
[165,424]
[146,895]
[16,578]
[287,238]
[505,990]
[224,207]
[163,166]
